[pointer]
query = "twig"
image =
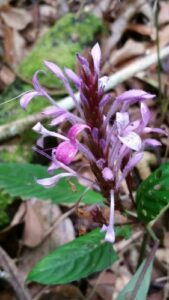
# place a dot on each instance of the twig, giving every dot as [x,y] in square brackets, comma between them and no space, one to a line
[18,127]
[57,222]
[121,246]
[95,286]
[156,20]
[9,268]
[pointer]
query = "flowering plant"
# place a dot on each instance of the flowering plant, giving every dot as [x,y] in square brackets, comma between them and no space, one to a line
[112,148]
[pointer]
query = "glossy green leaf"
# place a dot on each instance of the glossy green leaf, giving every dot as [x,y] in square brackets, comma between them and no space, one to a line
[153,194]
[83,256]
[125,294]
[19,180]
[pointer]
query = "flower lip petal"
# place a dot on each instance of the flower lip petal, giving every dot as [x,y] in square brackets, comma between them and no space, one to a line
[65,152]
[27,97]
[132,141]
[133,96]
[75,130]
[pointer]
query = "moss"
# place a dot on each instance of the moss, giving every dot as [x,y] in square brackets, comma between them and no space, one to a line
[60,44]
[5,201]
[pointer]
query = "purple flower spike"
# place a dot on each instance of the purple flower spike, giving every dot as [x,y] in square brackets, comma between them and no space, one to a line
[112,144]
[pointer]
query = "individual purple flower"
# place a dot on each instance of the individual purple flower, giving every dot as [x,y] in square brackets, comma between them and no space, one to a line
[112,150]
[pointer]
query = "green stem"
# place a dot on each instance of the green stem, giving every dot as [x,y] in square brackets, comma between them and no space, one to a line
[143,249]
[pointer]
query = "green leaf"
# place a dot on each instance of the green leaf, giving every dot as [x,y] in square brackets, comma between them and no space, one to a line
[152,195]
[78,259]
[19,180]
[143,288]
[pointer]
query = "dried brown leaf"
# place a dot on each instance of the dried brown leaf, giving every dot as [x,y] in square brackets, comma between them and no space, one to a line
[16,18]
[7,77]
[164,13]
[47,213]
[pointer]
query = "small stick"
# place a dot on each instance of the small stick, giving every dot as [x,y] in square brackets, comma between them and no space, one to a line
[12,276]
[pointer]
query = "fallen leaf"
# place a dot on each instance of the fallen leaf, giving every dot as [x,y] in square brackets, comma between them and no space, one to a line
[33,230]
[16,18]
[142,29]
[7,77]
[129,50]
[18,47]
[163,255]
[47,213]
[164,13]
[47,13]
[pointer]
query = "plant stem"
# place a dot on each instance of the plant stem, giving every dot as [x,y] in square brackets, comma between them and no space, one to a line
[143,249]
[142,274]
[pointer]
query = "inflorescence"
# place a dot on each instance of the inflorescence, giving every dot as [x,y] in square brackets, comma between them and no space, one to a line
[111,150]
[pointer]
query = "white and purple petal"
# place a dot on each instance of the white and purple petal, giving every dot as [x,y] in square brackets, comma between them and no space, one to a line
[122,120]
[39,128]
[96,54]
[132,141]
[52,181]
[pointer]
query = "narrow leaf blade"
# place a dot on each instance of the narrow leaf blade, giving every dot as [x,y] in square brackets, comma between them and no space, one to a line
[125,294]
